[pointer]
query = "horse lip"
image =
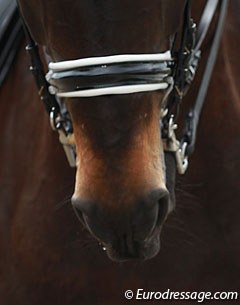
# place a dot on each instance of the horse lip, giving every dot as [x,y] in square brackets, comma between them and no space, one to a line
[139,250]
[123,257]
[131,246]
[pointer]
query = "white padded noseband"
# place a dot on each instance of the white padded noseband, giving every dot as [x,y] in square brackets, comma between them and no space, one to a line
[68,68]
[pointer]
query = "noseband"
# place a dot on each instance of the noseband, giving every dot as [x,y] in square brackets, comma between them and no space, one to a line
[109,75]
[171,71]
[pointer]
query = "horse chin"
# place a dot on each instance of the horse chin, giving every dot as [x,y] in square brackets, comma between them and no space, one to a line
[144,250]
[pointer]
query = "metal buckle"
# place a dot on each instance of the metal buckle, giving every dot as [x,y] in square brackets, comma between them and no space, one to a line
[66,139]
[67,142]
[173,145]
[55,120]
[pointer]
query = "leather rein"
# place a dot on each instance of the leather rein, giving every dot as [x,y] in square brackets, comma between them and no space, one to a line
[171,71]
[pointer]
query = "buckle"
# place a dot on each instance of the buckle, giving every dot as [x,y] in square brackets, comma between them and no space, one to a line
[171,144]
[65,138]
[67,142]
[55,120]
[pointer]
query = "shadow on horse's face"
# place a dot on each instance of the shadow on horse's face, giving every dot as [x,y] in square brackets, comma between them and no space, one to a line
[122,192]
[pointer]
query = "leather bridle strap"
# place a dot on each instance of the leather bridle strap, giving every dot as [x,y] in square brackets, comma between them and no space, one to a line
[59,116]
[37,70]
[204,24]
[186,145]
[11,35]
[194,115]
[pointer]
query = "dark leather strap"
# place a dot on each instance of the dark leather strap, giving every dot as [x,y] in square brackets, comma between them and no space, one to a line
[37,70]
[205,22]
[11,35]
[194,115]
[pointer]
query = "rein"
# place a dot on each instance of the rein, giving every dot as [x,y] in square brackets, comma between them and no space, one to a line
[128,73]
[11,34]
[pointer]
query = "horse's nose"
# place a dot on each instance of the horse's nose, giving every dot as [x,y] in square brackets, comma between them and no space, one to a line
[130,232]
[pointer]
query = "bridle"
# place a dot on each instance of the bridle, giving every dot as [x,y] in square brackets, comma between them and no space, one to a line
[110,75]
[171,71]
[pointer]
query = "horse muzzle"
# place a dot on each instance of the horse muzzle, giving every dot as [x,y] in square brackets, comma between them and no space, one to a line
[128,233]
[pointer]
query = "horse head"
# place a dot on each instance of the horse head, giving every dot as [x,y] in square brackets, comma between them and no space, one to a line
[124,183]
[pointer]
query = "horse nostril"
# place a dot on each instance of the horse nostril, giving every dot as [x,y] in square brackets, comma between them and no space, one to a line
[81,208]
[163,210]
[86,206]
[78,212]
[91,215]
[150,213]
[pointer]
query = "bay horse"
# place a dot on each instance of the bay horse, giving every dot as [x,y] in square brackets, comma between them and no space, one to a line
[46,255]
